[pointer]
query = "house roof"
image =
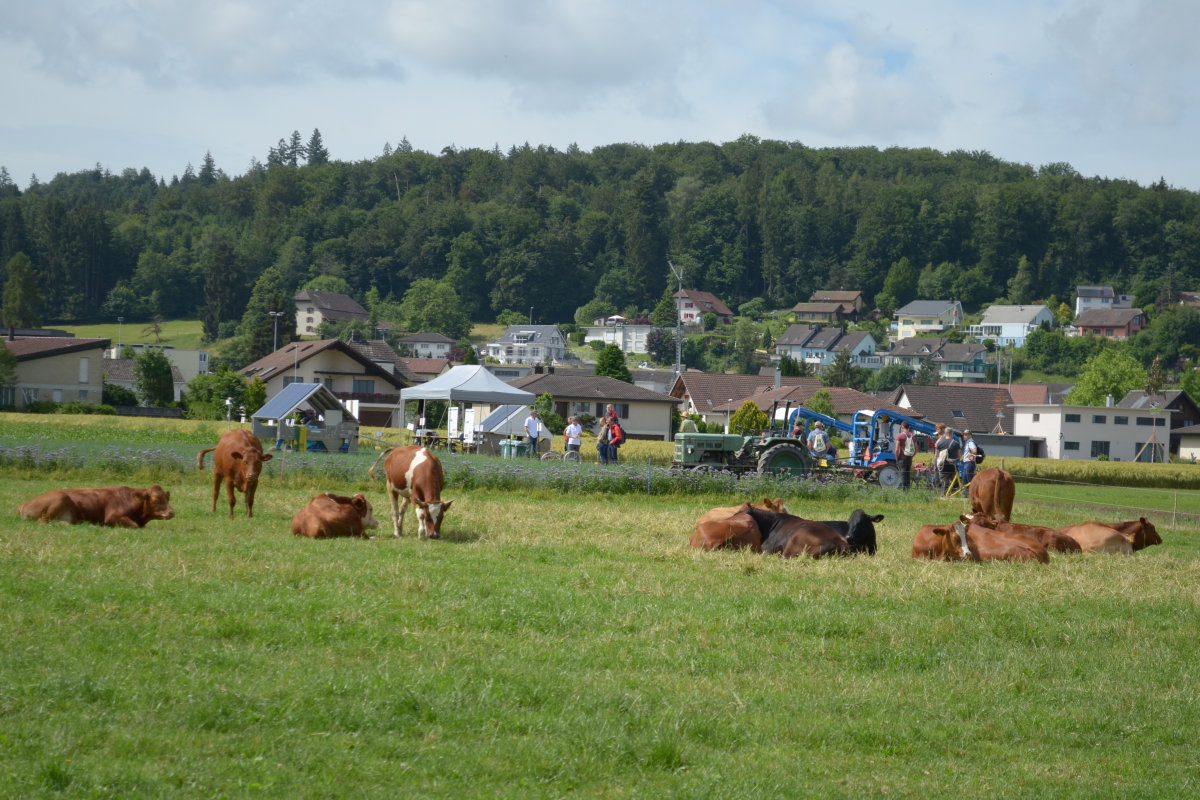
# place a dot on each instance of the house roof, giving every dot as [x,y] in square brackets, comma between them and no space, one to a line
[120,370]
[845,401]
[849,341]
[706,300]
[797,334]
[998,315]
[423,337]
[928,307]
[959,406]
[939,349]
[538,334]
[1094,291]
[709,389]
[1107,317]
[381,352]
[332,305]
[281,360]
[589,387]
[818,308]
[426,366]
[1029,394]
[36,347]
[824,296]
[957,353]
[1189,298]
[1168,398]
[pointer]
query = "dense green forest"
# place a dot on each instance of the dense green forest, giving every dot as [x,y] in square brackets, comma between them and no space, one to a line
[550,229]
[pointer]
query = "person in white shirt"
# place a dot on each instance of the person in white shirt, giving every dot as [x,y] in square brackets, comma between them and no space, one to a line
[531,431]
[573,433]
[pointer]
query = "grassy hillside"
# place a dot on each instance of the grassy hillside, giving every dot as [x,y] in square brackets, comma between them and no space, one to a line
[184,334]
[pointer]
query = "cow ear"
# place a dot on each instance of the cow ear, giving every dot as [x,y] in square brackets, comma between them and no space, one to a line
[267,457]
[419,504]
[446,506]
[236,456]
[168,496]
[360,504]
[139,495]
[877,518]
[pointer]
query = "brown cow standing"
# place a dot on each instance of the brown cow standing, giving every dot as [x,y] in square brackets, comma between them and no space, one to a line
[992,492]
[959,542]
[329,515]
[415,474]
[119,506]
[1050,538]
[732,533]
[1095,537]
[238,461]
[777,505]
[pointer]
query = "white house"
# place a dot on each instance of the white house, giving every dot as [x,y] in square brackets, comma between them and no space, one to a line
[529,344]
[190,362]
[428,345]
[1090,298]
[313,308]
[1010,324]
[629,337]
[927,316]
[1087,432]
[693,304]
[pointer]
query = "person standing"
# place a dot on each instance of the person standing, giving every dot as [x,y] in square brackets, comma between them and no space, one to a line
[970,453]
[532,426]
[948,452]
[573,433]
[602,441]
[818,440]
[906,448]
[616,438]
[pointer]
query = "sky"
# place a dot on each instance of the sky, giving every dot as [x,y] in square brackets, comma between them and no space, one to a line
[1110,87]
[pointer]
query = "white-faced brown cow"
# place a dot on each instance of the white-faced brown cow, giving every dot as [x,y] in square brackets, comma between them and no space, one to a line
[238,462]
[414,475]
[328,516]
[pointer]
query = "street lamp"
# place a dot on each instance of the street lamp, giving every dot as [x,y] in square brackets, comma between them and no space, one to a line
[276,315]
[120,321]
[531,315]
[228,413]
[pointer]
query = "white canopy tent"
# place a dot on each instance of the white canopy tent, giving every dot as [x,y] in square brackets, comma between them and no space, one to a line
[466,384]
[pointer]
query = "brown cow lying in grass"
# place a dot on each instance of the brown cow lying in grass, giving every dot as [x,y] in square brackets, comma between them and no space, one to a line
[328,516]
[1095,537]
[717,514]
[960,542]
[1053,540]
[1140,533]
[731,533]
[792,536]
[119,506]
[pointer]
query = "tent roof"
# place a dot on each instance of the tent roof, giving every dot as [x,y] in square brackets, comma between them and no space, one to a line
[511,420]
[468,384]
[294,395]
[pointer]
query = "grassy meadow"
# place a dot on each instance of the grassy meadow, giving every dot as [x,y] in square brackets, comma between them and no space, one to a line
[184,334]
[553,644]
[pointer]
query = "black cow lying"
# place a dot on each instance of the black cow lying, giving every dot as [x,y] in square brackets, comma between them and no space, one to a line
[859,531]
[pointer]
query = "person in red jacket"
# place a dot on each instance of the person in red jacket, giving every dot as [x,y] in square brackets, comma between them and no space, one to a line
[616,438]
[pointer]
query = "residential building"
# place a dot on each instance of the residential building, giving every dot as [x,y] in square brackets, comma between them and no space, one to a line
[529,344]
[927,316]
[702,392]
[1087,432]
[508,372]
[630,337]
[1186,415]
[694,304]
[382,354]
[1089,298]
[643,414]
[119,372]
[55,369]
[658,381]
[1112,323]
[852,302]
[819,312]
[979,408]
[1189,299]
[818,346]
[1007,325]
[345,371]
[956,363]
[190,362]
[313,308]
[426,369]
[428,345]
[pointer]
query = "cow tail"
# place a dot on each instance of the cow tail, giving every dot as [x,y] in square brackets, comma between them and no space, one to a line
[371,471]
[200,457]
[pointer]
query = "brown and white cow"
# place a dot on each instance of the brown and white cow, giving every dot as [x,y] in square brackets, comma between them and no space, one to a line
[777,505]
[238,462]
[960,542]
[732,533]
[119,506]
[328,516]
[992,492]
[1050,538]
[414,475]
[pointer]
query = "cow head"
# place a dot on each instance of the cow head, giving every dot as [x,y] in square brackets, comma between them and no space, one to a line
[861,535]
[251,462]
[156,504]
[777,505]
[365,512]
[953,544]
[980,519]
[430,516]
[1149,535]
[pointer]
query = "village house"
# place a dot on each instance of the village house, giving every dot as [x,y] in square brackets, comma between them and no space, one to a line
[1090,432]
[1007,325]
[1102,298]
[644,414]
[693,305]
[428,345]
[956,363]
[852,303]
[529,344]
[927,316]
[55,369]
[119,372]
[1111,323]
[313,308]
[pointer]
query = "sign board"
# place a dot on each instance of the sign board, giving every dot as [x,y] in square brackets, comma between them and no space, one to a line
[469,425]
[452,422]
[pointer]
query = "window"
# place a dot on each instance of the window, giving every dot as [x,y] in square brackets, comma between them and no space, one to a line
[1072,418]
[1070,445]
[926,322]
[204,356]
[441,347]
[1099,419]
[1120,420]
[957,414]
[56,395]
[308,319]
[1108,331]
[309,311]
[1099,449]
[364,387]
[1146,421]
[535,351]
[1037,417]
[329,384]
[8,396]
[84,363]
[288,380]
[29,396]
[83,394]
[308,329]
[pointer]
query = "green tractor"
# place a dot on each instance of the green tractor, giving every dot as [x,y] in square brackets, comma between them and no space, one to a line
[742,453]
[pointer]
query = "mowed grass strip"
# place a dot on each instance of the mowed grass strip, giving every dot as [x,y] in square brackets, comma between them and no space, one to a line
[553,644]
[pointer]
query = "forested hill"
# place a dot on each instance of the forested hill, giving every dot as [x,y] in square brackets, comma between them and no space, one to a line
[552,229]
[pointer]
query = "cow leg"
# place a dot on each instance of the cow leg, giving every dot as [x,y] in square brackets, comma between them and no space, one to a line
[397,512]
[216,487]
[232,494]
[250,490]
[121,521]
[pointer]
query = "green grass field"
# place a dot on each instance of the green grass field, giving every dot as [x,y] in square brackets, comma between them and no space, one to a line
[551,645]
[184,334]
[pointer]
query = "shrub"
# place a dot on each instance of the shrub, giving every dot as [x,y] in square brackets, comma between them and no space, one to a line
[85,408]
[118,395]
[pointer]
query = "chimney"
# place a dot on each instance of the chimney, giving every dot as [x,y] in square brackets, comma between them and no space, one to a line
[778,377]
[537,369]
[12,333]
[1108,402]
[550,370]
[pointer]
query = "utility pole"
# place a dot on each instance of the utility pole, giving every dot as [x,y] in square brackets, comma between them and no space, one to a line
[120,322]
[678,319]
[276,315]
[531,315]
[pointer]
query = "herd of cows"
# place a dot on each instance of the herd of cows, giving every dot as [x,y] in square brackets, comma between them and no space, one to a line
[414,477]
[986,534]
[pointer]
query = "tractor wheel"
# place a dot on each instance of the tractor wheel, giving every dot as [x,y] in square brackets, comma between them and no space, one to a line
[788,457]
[889,477]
